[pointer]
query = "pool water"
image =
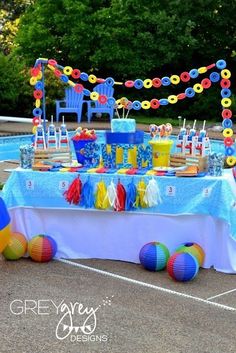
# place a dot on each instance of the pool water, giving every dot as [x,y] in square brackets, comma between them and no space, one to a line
[9,146]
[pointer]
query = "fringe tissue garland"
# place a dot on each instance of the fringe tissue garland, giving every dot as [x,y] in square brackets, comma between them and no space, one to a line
[116,196]
[120,197]
[73,194]
[152,195]
[131,195]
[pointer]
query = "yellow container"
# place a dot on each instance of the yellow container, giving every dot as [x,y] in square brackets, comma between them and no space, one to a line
[161,152]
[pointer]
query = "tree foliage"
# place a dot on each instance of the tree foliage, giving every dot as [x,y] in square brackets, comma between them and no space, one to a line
[10,13]
[132,39]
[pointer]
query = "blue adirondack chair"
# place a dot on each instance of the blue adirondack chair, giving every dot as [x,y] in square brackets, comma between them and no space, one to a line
[72,103]
[96,107]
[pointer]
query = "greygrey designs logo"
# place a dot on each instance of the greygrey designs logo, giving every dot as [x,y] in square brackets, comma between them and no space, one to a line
[77,322]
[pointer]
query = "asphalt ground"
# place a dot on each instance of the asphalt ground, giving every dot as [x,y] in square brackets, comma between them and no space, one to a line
[136,312]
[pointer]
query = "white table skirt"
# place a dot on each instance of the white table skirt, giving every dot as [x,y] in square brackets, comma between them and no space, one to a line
[120,236]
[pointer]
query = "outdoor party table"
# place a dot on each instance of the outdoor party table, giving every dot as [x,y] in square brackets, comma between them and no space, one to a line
[192,209]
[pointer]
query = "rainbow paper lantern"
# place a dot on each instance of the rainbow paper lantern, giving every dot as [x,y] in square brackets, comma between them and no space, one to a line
[182,267]
[16,247]
[193,249]
[42,248]
[154,256]
[4,225]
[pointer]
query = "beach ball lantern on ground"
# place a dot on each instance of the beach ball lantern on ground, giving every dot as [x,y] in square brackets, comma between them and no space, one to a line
[42,248]
[154,256]
[16,247]
[182,267]
[4,225]
[193,249]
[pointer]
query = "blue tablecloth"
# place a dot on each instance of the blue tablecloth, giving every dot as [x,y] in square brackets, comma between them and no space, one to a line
[215,196]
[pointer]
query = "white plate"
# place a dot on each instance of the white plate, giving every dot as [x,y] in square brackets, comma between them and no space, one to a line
[168,169]
[74,164]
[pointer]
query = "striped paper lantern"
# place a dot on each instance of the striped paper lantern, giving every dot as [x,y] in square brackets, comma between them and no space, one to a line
[154,256]
[194,249]
[16,247]
[42,248]
[4,226]
[182,267]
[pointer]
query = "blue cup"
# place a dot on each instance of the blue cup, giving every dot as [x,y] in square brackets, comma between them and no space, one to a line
[79,150]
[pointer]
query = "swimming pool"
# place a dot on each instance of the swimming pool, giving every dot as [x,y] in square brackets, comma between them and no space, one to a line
[9,146]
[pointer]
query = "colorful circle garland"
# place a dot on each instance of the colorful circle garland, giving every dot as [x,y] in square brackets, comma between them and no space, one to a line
[63,73]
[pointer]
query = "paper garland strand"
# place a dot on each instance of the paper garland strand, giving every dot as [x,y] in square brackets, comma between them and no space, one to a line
[118,197]
[64,73]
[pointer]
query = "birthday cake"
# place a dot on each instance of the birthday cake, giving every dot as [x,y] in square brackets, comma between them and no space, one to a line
[123,125]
